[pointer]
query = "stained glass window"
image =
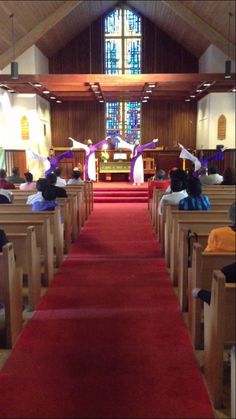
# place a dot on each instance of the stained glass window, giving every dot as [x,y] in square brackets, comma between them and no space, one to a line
[123,42]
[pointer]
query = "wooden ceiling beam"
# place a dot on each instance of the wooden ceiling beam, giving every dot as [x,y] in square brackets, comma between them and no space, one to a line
[202,27]
[41,29]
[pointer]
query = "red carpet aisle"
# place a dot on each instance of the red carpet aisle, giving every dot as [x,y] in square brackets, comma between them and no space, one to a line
[107,340]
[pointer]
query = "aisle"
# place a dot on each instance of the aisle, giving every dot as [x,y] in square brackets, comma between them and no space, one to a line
[107,340]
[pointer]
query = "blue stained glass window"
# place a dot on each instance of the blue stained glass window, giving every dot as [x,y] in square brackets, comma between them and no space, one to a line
[123,42]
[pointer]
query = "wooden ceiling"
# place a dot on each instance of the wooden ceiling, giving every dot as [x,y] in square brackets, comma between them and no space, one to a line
[102,88]
[52,24]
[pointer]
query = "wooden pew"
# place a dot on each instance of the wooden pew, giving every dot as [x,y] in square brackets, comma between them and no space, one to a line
[81,203]
[200,276]
[56,225]
[219,334]
[44,241]
[202,230]
[11,294]
[28,259]
[233,379]
[177,216]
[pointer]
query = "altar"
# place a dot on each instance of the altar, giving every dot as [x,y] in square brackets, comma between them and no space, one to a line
[114,170]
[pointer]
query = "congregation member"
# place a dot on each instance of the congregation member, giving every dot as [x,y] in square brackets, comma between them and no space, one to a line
[213,176]
[223,239]
[177,174]
[3,239]
[229,177]
[178,192]
[15,177]
[28,185]
[60,181]
[195,201]
[41,184]
[48,202]
[52,180]
[5,196]
[5,184]
[203,176]
[158,181]
[75,178]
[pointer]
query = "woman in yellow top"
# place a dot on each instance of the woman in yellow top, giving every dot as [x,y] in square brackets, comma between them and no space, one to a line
[223,239]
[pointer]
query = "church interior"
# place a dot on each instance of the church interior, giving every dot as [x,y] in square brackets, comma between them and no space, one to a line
[98,317]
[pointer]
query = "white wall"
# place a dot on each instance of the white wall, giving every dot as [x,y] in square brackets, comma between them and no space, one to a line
[209,110]
[32,61]
[12,108]
[213,61]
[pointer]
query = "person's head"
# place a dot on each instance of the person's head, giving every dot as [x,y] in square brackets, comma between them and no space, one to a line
[57,171]
[89,142]
[232,214]
[176,185]
[51,178]
[137,142]
[229,175]
[76,174]
[179,174]
[41,184]
[28,177]
[2,174]
[15,171]
[160,174]
[49,194]
[194,187]
[51,152]
[212,170]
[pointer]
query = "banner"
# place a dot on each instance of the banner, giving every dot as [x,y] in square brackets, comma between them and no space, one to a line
[2,158]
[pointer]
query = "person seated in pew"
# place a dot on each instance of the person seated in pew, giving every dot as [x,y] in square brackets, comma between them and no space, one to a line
[41,184]
[60,181]
[229,272]
[4,184]
[52,180]
[75,178]
[203,175]
[213,176]
[28,185]
[229,177]
[195,201]
[3,239]
[49,200]
[15,177]
[178,192]
[178,174]
[5,196]
[223,239]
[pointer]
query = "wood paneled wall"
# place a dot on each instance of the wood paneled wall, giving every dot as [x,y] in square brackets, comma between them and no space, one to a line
[80,120]
[85,53]
[161,54]
[170,122]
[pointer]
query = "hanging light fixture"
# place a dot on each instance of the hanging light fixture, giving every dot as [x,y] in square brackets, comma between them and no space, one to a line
[14,64]
[228,62]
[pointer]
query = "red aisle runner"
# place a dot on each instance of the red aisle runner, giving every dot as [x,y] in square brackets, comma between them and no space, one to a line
[107,340]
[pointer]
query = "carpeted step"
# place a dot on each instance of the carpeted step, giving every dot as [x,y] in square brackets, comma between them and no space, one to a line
[116,199]
[120,193]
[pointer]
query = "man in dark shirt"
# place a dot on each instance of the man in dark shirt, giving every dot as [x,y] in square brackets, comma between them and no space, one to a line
[15,178]
[52,179]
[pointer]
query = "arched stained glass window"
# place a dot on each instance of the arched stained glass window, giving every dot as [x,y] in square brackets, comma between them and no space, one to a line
[123,37]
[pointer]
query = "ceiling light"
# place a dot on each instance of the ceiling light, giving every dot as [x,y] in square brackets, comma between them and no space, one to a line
[207,84]
[148,91]
[234,89]
[152,85]
[58,101]
[37,84]
[146,97]
[14,64]
[101,101]
[187,100]
[46,92]
[144,101]
[227,69]
[199,90]
[192,96]
[52,97]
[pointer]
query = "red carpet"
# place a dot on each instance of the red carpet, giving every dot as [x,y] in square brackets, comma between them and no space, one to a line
[107,340]
[115,192]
